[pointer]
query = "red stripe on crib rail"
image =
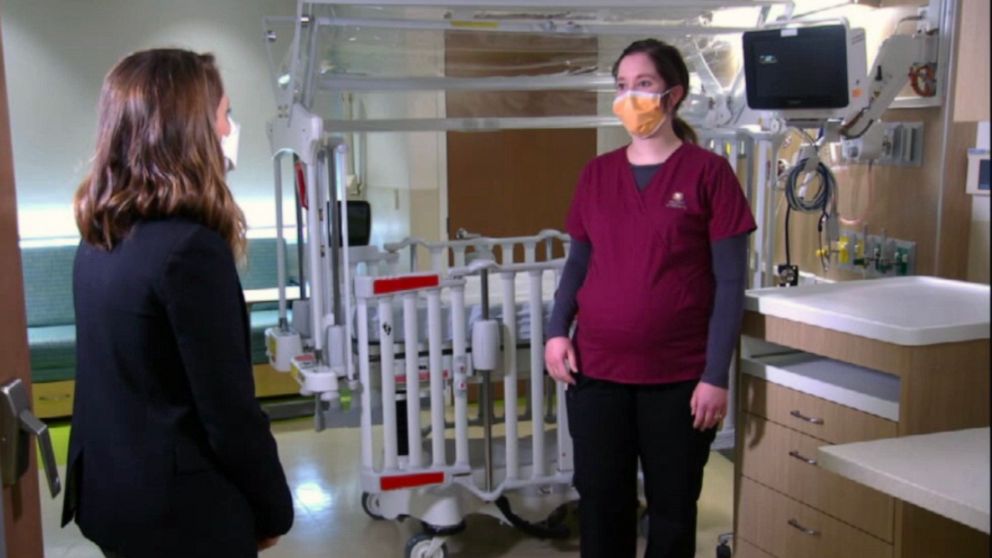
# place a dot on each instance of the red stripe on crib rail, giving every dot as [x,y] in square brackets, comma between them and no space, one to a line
[410,481]
[399,284]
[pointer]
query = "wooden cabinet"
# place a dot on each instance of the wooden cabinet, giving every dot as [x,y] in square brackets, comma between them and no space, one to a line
[784,460]
[802,387]
[811,415]
[789,528]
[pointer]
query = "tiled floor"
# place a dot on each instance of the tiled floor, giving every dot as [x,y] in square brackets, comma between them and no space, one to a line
[323,473]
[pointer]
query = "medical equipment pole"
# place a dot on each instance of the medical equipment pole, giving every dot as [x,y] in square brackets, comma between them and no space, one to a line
[280,245]
[323,209]
[764,258]
[333,212]
[485,395]
[340,160]
[768,178]
[315,246]
[299,234]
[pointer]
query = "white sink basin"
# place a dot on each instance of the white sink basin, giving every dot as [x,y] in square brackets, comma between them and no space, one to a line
[904,310]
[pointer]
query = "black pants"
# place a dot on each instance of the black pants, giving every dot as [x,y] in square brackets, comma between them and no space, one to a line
[613,425]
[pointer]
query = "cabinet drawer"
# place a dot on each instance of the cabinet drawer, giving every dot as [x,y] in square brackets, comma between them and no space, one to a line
[789,529]
[811,415]
[744,549]
[780,458]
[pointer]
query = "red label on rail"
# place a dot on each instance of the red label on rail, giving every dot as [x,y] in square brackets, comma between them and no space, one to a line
[399,284]
[410,481]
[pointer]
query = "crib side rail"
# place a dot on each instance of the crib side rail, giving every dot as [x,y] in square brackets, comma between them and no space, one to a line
[458,251]
[401,372]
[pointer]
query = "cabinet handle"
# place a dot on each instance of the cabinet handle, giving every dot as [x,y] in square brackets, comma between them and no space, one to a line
[811,420]
[811,532]
[802,458]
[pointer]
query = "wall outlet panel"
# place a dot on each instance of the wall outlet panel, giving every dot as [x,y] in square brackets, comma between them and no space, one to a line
[882,256]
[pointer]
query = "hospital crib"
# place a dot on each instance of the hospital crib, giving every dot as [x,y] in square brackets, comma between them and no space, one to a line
[437,334]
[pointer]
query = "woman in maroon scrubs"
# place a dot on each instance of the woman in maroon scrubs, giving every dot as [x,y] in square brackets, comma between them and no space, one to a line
[655,280]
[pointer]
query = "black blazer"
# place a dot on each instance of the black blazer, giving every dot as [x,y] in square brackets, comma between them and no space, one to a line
[170,454]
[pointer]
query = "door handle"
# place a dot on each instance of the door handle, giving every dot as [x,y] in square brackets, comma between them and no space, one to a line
[17,424]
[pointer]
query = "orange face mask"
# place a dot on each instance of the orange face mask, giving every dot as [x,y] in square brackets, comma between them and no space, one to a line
[640,112]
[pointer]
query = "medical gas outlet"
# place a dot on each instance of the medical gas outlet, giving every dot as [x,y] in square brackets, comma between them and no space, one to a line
[872,255]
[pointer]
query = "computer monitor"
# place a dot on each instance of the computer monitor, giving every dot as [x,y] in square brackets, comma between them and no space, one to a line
[804,72]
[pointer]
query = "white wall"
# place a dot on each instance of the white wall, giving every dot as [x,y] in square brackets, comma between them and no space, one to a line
[59,50]
[57,53]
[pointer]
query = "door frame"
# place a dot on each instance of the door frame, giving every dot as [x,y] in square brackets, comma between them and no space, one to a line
[21,507]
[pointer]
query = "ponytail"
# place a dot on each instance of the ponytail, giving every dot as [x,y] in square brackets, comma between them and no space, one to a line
[684,131]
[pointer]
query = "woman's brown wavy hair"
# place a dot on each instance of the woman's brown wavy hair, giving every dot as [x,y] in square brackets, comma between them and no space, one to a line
[158,154]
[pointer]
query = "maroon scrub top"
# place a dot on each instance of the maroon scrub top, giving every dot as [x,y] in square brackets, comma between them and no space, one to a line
[645,305]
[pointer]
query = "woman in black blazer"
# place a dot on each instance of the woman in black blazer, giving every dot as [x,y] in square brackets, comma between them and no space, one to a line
[170,455]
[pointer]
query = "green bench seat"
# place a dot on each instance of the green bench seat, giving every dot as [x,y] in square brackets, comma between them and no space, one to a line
[51,319]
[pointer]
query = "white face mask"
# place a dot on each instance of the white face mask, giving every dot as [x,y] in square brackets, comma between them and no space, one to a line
[229,144]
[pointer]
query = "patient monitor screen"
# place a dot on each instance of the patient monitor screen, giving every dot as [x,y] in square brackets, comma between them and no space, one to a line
[796,68]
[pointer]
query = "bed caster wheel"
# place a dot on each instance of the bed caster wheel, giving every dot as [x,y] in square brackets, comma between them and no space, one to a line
[425,546]
[370,503]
